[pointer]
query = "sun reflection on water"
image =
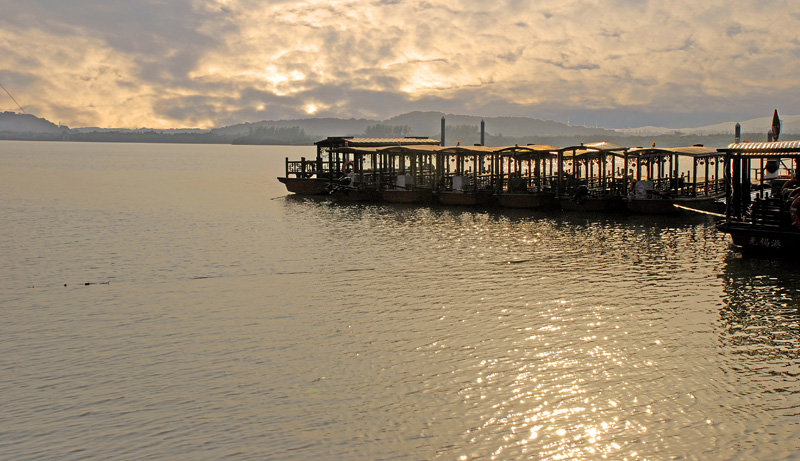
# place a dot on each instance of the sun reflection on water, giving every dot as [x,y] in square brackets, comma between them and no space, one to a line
[558,392]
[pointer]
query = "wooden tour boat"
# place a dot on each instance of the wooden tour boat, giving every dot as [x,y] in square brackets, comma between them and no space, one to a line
[463,178]
[592,177]
[762,214]
[407,173]
[325,173]
[660,186]
[526,177]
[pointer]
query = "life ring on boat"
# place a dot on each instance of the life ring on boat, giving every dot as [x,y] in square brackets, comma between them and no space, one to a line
[794,212]
[792,183]
[350,164]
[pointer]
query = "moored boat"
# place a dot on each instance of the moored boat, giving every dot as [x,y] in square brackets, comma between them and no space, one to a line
[762,215]
[465,175]
[306,186]
[407,173]
[592,177]
[463,197]
[660,185]
[526,177]
[324,173]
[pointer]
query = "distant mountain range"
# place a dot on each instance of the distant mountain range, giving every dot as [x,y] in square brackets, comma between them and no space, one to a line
[418,124]
[790,124]
[425,124]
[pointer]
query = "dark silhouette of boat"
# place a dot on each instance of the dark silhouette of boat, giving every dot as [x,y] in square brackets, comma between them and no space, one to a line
[673,179]
[327,172]
[465,175]
[592,177]
[527,177]
[762,215]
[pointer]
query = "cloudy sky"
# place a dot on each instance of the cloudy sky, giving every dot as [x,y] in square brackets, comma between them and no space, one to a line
[205,63]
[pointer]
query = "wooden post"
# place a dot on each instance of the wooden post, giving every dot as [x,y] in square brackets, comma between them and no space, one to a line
[736,182]
[560,174]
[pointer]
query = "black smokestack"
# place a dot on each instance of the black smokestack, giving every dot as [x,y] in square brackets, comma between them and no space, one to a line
[443,130]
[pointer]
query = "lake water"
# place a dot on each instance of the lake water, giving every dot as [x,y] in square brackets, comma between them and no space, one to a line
[171,301]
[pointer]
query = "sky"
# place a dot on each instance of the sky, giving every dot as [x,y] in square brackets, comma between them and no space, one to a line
[212,63]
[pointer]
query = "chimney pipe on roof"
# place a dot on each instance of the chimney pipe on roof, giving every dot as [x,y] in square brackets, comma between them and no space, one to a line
[737,133]
[443,130]
[483,132]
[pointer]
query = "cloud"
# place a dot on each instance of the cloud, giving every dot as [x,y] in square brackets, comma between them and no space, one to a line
[214,62]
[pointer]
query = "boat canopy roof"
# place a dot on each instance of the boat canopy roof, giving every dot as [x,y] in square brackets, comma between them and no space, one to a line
[357,150]
[519,152]
[764,149]
[409,150]
[352,141]
[601,146]
[468,150]
[593,150]
[530,151]
[696,151]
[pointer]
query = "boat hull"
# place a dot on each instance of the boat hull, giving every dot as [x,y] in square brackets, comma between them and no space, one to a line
[353,194]
[407,196]
[651,206]
[667,205]
[593,204]
[306,186]
[463,198]
[527,200]
[760,239]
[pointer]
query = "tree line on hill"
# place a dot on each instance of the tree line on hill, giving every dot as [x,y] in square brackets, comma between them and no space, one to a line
[465,135]
[294,132]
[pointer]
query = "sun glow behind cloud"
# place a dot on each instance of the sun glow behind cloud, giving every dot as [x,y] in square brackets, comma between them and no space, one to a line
[210,63]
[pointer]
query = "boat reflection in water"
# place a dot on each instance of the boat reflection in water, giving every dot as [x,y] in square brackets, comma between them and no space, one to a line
[761,314]
[759,343]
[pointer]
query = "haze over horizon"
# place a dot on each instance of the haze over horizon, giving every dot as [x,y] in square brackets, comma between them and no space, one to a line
[211,63]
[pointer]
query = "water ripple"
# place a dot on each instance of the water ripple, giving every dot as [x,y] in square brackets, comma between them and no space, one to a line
[235,326]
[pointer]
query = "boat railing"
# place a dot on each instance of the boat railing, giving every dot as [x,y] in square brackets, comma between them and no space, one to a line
[769,211]
[309,168]
[701,188]
[682,187]
[618,186]
[366,180]
[301,168]
[391,180]
[468,183]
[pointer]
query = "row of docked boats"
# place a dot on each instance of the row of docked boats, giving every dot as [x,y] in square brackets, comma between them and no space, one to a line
[597,177]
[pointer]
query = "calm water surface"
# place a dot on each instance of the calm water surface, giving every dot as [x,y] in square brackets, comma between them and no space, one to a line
[171,301]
